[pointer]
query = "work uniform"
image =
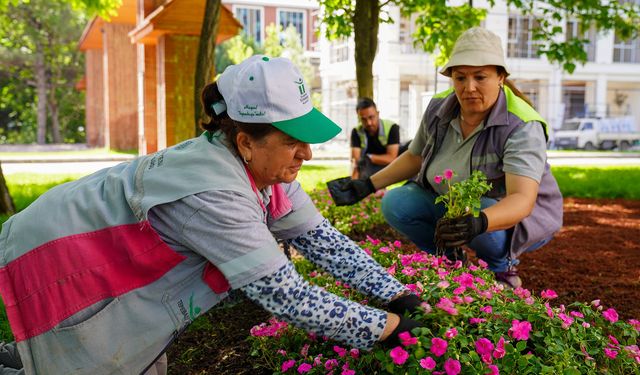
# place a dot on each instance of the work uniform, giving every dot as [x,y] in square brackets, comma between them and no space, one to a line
[512,139]
[388,134]
[99,275]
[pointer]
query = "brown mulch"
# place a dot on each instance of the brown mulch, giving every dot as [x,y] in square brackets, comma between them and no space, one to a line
[596,255]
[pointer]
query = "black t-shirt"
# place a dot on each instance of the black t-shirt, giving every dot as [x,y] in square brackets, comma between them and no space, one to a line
[373,143]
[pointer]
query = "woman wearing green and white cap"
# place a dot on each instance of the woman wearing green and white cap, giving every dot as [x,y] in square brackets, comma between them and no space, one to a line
[100,275]
[482,123]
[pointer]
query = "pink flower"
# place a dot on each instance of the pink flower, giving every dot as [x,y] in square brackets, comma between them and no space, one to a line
[447,305]
[451,333]
[549,294]
[484,347]
[610,314]
[520,330]
[566,320]
[392,270]
[305,350]
[437,179]
[452,366]
[443,284]
[348,371]
[576,314]
[354,353]
[635,323]
[482,263]
[331,363]
[448,174]
[459,290]
[499,352]
[409,271]
[340,351]
[304,368]
[610,353]
[286,365]
[595,303]
[486,309]
[428,363]
[586,325]
[397,244]
[282,352]
[493,370]
[477,320]
[399,355]
[406,339]
[438,346]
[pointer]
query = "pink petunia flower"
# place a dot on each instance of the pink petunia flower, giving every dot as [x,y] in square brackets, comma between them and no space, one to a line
[340,351]
[576,314]
[451,333]
[399,355]
[428,363]
[392,270]
[331,364]
[493,370]
[437,179]
[610,314]
[610,353]
[452,366]
[635,324]
[447,305]
[548,294]
[426,307]
[354,353]
[484,347]
[586,325]
[397,244]
[486,309]
[520,329]
[448,174]
[499,351]
[566,320]
[477,320]
[286,365]
[406,339]
[304,368]
[438,346]
[348,371]
[482,263]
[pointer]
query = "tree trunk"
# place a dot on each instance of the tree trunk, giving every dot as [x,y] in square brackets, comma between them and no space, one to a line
[6,202]
[41,92]
[205,64]
[365,30]
[55,119]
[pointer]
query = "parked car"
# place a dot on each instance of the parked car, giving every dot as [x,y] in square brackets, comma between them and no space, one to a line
[594,133]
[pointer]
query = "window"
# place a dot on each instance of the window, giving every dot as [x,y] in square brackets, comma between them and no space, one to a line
[339,51]
[626,51]
[251,20]
[573,31]
[520,43]
[296,19]
[587,126]
[573,98]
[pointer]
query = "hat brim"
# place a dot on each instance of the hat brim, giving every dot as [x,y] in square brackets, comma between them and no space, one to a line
[472,58]
[314,127]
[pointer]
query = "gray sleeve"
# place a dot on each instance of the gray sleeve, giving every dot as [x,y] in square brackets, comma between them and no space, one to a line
[226,228]
[419,140]
[525,151]
[303,216]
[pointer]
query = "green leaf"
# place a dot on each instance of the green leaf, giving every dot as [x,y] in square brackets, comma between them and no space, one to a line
[521,345]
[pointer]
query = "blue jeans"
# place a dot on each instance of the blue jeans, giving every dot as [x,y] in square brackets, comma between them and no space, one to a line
[412,211]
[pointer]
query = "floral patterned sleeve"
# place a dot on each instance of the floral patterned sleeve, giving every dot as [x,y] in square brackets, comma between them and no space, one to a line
[344,259]
[289,297]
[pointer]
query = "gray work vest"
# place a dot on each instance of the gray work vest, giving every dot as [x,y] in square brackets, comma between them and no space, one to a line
[507,114]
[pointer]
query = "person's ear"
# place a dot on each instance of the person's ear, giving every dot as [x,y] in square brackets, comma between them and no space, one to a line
[245,146]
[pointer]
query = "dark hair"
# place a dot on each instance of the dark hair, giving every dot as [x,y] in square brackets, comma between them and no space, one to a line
[224,123]
[509,83]
[365,103]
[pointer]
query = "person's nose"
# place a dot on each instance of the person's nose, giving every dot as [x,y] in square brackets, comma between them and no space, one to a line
[304,151]
[470,85]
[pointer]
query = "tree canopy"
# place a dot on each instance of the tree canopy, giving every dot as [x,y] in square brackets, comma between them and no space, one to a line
[439,23]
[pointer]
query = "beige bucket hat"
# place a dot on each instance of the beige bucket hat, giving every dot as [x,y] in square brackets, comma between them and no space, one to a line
[476,47]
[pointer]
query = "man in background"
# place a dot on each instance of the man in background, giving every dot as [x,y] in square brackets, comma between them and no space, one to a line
[375,143]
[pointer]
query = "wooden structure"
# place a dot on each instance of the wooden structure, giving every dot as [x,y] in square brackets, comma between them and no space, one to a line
[140,69]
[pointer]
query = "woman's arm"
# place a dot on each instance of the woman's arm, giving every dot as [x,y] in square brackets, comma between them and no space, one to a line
[289,297]
[404,167]
[336,253]
[515,206]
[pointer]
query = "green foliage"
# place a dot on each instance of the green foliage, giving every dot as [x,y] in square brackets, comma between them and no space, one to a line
[463,197]
[463,307]
[273,40]
[348,219]
[30,32]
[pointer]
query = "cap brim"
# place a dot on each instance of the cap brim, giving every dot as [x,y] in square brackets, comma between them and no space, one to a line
[314,127]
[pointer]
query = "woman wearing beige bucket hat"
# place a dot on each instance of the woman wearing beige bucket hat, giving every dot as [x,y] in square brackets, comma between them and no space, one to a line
[482,123]
[100,275]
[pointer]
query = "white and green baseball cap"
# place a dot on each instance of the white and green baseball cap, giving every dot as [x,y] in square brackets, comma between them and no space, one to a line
[271,90]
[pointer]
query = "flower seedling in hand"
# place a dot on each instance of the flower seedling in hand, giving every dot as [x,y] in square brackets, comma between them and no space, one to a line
[463,197]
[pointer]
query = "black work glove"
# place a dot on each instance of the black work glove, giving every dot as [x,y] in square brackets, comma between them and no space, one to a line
[346,191]
[405,325]
[408,303]
[460,231]
[362,163]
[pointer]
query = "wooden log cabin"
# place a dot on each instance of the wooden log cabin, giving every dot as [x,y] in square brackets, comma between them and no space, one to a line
[139,73]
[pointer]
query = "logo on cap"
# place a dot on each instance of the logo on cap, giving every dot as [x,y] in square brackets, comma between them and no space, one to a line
[304,97]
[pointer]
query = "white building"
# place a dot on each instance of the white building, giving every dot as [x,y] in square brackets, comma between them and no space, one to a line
[405,78]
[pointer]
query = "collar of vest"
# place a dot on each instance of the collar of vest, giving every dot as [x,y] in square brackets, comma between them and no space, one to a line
[450,108]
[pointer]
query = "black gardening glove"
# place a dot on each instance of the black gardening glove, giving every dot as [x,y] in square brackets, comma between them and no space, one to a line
[405,325]
[460,231]
[408,303]
[346,191]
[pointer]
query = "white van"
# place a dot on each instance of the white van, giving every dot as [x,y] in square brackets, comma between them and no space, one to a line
[594,133]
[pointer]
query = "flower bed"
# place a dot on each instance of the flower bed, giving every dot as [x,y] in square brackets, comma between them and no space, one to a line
[472,326]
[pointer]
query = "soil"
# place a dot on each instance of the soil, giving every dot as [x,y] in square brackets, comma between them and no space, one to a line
[596,255]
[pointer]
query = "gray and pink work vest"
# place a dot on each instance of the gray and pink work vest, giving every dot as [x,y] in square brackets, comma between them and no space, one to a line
[507,114]
[88,285]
